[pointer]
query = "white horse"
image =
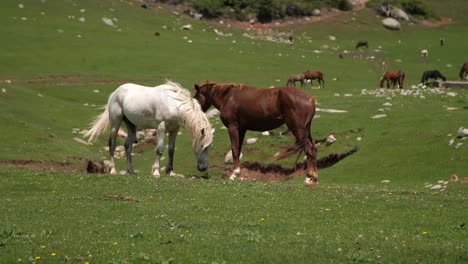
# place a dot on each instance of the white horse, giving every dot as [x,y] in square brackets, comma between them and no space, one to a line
[164,107]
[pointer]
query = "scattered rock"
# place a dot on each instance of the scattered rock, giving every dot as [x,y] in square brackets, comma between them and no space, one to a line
[330,139]
[81,141]
[212,113]
[331,110]
[379,116]
[228,158]
[391,23]
[462,132]
[108,21]
[251,140]
[187,27]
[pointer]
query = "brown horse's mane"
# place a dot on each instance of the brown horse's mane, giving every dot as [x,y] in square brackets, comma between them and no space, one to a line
[229,85]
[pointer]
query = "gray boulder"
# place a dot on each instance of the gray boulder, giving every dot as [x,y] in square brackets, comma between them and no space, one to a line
[399,14]
[391,23]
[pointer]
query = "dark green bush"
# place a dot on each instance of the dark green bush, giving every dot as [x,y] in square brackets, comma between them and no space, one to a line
[416,7]
[343,5]
[209,8]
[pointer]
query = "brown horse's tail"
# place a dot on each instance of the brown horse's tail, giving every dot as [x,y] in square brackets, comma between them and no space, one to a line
[300,145]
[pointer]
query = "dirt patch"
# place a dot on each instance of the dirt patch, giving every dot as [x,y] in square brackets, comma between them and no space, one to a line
[82,166]
[254,171]
[250,171]
[437,23]
[74,80]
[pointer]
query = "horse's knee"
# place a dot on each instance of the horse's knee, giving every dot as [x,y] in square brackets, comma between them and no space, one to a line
[159,150]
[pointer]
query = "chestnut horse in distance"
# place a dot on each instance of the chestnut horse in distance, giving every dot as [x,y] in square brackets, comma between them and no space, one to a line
[245,108]
[393,77]
[314,75]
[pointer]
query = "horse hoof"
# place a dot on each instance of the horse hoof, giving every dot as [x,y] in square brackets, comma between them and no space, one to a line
[156,176]
[311,184]
[233,177]
[113,171]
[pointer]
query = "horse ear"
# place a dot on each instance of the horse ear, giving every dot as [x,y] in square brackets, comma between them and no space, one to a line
[196,87]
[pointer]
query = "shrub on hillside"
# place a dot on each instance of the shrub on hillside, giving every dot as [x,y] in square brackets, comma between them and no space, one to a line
[417,8]
[413,7]
[343,5]
[209,8]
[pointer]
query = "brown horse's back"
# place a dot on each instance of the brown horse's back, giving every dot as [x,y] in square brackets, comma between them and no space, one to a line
[265,109]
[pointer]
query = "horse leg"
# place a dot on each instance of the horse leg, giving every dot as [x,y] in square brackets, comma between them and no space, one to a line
[310,149]
[312,171]
[115,121]
[161,130]
[171,151]
[131,137]
[237,138]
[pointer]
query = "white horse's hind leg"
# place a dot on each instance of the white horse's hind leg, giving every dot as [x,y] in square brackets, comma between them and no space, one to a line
[131,138]
[159,149]
[112,146]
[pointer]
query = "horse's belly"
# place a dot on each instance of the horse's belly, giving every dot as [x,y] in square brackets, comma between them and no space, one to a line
[142,120]
[262,125]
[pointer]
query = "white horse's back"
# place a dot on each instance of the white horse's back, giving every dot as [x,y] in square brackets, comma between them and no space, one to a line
[145,107]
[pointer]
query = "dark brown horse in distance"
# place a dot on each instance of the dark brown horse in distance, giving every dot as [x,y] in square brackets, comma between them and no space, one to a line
[295,78]
[393,77]
[463,71]
[362,44]
[245,108]
[314,75]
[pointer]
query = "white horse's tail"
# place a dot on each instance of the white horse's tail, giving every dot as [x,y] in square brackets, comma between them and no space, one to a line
[99,125]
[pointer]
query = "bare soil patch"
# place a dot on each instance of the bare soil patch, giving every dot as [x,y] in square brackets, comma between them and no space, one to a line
[83,166]
[74,80]
[254,171]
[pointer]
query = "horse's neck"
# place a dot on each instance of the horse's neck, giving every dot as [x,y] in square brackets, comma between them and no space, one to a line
[218,96]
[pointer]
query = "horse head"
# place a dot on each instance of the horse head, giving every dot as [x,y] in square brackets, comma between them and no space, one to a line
[201,92]
[201,148]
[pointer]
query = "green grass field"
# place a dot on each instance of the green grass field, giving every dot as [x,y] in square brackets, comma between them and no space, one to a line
[60,61]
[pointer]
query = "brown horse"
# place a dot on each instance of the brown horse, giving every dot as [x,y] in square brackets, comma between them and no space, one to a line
[394,78]
[295,78]
[463,71]
[316,75]
[245,108]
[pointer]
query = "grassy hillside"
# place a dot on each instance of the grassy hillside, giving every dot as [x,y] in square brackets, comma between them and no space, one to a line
[60,61]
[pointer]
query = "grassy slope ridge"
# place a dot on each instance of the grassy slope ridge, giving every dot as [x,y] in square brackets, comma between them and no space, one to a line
[351,218]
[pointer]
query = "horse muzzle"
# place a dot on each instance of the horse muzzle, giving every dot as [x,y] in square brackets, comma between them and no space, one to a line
[202,167]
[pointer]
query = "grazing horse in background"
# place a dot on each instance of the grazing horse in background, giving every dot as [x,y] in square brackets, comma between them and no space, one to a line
[245,108]
[362,44]
[434,74]
[463,71]
[165,107]
[295,78]
[393,77]
[316,75]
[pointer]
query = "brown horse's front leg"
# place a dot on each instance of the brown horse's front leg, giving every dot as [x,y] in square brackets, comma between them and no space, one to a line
[237,137]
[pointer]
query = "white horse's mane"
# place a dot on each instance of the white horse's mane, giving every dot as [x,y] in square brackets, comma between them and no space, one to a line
[192,116]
